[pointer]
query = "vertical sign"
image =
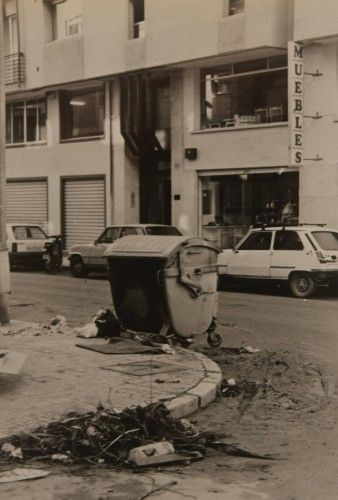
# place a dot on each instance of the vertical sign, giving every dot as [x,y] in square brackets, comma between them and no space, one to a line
[295,103]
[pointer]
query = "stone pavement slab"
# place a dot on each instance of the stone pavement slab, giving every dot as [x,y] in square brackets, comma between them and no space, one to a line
[59,377]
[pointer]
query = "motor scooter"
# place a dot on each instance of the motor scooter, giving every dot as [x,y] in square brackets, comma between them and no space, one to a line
[52,257]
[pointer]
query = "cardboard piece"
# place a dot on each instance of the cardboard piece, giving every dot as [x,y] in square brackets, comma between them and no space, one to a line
[11,362]
[10,476]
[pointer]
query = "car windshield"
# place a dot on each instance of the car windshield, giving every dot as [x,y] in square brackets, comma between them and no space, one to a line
[29,233]
[162,231]
[327,240]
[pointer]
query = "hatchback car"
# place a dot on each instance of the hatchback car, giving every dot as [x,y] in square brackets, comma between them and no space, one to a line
[303,256]
[26,245]
[89,258]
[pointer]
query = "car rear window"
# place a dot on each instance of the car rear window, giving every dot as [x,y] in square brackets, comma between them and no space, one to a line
[29,233]
[327,240]
[162,231]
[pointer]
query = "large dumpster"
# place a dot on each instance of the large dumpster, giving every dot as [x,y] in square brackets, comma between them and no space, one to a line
[162,283]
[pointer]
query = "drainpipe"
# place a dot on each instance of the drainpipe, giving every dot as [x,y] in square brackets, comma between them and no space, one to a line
[4,263]
[111,152]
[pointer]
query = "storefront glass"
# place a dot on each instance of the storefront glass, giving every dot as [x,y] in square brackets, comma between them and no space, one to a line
[232,203]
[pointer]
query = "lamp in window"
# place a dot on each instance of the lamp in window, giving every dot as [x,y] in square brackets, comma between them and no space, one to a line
[77,102]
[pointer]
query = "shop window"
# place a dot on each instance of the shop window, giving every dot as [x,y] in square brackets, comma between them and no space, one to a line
[287,240]
[245,94]
[82,113]
[26,122]
[260,240]
[236,7]
[240,201]
[137,28]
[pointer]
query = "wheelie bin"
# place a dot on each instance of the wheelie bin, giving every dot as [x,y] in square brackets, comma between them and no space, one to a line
[164,283]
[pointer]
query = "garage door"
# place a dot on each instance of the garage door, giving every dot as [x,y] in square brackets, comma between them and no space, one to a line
[26,202]
[84,212]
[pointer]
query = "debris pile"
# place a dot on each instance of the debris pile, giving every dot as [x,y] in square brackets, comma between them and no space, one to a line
[270,381]
[114,438]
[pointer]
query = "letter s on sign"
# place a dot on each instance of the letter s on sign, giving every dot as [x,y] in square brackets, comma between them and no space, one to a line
[298,157]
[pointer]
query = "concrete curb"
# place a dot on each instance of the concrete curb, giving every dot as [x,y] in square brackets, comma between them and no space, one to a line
[203,393]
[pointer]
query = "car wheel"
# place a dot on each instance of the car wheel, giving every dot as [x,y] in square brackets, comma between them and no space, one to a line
[77,268]
[302,285]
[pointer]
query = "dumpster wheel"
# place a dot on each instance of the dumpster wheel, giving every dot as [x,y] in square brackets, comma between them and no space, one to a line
[214,339]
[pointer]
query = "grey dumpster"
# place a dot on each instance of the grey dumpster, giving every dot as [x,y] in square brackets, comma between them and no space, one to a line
[163,282]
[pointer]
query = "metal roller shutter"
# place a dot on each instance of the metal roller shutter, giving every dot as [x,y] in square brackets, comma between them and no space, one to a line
[26,202]
[84,210]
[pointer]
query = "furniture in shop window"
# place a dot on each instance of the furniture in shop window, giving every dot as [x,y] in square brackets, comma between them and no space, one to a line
[276,113]
[261,115]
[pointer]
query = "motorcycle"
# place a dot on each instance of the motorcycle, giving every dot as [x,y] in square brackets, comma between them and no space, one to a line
[52,257]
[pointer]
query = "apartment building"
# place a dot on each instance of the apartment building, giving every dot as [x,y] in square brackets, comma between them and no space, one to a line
[169,111]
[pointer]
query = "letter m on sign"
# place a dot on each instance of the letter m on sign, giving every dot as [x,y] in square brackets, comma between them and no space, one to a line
[298,51]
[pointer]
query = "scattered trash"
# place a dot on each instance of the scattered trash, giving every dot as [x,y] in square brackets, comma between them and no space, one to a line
[11,362]
[59,457]
[12,451]
[107,324]
[58,320]
[122,346]
[238,452]
[232,389]
[167,349]
[87,331]
[251,350]
[140,454]
[115,437]
[58,324]
[160,488]
[21,475]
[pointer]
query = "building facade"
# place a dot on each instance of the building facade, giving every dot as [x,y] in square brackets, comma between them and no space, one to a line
[125,111]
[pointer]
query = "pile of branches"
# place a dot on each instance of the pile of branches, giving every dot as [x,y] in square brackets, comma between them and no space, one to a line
[103,435]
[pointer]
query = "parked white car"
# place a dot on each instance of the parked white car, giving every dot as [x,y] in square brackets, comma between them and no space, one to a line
[26,244]
[86,258]
[304,256]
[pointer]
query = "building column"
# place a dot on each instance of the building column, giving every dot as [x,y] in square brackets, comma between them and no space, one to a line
[318,193]
[184,181]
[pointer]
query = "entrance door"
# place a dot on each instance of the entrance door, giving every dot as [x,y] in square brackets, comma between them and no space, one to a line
[84,211]
[253,257]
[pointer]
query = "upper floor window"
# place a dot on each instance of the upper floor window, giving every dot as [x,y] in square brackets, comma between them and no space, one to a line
[74,26]
[65,18]
[26,122]
[137,18]
[82,113]
[245,93]
[236,7]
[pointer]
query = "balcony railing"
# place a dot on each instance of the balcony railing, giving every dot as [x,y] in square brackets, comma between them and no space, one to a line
[15,68]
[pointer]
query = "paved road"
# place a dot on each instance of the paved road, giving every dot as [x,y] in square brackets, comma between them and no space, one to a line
[265,317]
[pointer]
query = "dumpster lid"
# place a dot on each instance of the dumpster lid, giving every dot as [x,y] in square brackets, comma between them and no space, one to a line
[153,246]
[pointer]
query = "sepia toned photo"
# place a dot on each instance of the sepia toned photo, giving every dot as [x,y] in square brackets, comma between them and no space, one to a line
[168,249]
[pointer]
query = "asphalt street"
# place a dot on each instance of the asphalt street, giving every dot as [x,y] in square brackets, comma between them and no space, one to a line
[266,317]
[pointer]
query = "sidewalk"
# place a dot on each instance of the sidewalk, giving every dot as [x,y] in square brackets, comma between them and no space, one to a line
[59,377]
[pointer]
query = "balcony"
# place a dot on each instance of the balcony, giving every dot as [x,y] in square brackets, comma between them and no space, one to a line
[15,69]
